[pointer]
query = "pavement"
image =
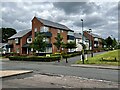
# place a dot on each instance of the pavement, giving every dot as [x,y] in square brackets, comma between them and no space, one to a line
[96,66]
[8,73]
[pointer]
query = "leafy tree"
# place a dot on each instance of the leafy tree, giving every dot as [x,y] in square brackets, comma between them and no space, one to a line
[6,33]
[103,43]
[109,41]
[58,42]
[39,43]
[69,45]
[114,43]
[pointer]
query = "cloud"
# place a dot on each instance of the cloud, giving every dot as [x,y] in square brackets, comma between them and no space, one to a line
[101,17]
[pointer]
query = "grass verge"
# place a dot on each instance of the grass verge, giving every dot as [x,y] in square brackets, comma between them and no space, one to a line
[108,58]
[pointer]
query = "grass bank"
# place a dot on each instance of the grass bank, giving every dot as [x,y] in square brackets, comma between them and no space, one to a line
[108,58]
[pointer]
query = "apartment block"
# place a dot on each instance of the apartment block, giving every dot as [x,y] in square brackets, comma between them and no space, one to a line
[21,41]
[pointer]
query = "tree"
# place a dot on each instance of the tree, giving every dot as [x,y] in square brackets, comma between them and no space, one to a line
[58,42]
[39,43]
[109,42]
[69,45]
[103,43]
[6,33]
[114,43]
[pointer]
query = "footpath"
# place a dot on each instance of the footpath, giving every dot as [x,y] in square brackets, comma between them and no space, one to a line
[96,66]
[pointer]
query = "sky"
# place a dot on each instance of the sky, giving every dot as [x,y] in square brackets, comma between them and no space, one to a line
[101,17]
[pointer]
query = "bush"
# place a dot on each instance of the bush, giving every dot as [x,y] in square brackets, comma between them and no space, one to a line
[34,58]
[71,55]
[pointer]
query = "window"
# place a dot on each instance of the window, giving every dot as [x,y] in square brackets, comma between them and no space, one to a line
[31,49]
[17,50]
[16,40]
[46,40]
[70,33]
[35,29]
[62,30]
[29,40]
[44,29]
[48,49]
[58,30]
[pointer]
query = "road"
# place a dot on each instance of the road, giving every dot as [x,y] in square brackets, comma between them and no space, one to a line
[53,68]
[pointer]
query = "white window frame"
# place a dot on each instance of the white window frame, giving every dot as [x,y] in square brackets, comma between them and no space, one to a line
[29,39]
[17,50]
[58,30]
[35,29]
[16,40]
[44,29]
[71,33]
[49,49]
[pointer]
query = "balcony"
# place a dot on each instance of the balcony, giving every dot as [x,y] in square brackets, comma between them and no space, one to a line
[48,34]
[9,46]
[69,37]
[49,45]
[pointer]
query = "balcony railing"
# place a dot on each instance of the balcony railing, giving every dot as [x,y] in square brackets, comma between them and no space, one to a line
[49,45]
[69,37]
[48,34]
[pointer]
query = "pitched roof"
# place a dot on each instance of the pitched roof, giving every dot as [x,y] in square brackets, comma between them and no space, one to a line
[95,35]
[53,24]
[20,34]
[77,35]
[3,44]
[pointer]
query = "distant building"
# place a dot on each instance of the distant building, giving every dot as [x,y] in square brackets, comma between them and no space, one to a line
[92,41]
[78,40]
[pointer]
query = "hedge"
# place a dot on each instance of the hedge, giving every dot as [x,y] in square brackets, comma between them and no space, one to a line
[70,55]
[34,58]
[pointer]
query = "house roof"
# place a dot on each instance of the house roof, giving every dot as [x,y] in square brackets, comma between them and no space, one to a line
[3,44]
[53,24]
[77,35]
[95,35]
[20,34]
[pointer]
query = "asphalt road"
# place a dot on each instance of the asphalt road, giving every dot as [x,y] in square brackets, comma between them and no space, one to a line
[53,68]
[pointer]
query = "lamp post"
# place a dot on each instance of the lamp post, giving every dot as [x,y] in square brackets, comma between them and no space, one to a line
[91,42]
[82,43]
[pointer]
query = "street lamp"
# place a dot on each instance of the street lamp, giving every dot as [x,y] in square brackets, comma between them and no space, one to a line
[91,42]
[82,43]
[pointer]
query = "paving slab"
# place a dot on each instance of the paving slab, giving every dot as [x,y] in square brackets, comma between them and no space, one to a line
[96,66]
[8,73]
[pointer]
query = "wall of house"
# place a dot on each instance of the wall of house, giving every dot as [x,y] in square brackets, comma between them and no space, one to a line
[37,24]
[24,41]
[79,46]
[88,36]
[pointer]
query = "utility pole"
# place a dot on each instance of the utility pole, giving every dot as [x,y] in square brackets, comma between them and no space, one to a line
[82,43]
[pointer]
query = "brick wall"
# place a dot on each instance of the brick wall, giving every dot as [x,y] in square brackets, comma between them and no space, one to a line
[24,41]
[90,37]
[37,24]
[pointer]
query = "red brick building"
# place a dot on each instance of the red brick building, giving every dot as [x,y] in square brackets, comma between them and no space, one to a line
[20,42]
[93,41]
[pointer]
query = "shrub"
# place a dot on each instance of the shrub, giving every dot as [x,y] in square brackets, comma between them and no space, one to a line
[71,55]
[35,58]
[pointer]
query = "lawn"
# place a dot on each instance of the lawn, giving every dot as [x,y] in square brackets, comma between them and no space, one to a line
[108,58]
